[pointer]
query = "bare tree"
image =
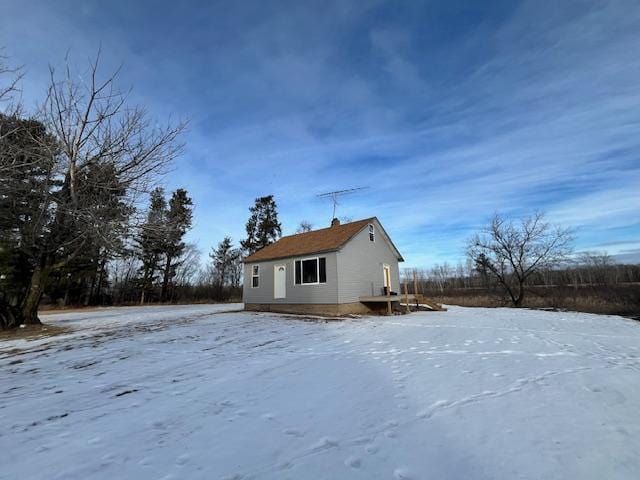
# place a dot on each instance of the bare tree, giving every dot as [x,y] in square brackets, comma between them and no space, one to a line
[189,265]
[512,251]
[597,266]
[304,226]
[104,153]
[10,77]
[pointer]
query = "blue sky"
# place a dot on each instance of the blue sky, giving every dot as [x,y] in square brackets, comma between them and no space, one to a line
[447,111]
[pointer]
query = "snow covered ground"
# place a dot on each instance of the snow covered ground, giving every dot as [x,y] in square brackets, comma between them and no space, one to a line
[198,392]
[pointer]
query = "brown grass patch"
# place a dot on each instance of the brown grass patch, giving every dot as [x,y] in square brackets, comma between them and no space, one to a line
[583,303]
[53,309]
[32,332]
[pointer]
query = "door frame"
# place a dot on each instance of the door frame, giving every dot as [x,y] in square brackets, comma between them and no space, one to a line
[386,275]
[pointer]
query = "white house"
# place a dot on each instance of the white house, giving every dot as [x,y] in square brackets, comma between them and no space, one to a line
[345,268]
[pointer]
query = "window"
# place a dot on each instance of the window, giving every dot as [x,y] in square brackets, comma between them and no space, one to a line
[255,276]
[372,233]
[311,271]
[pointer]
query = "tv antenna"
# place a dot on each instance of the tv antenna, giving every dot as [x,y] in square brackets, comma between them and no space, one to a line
[339,193]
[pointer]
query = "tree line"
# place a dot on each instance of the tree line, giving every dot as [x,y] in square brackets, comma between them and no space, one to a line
[531,262]
[587,269]
[162,267]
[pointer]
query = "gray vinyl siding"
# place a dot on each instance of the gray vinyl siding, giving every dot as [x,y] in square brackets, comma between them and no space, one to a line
[360,264]
[324,293]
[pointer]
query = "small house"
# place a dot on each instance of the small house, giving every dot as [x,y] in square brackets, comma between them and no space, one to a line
[345,268]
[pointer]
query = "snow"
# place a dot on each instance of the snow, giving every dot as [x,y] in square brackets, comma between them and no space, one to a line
[204,392]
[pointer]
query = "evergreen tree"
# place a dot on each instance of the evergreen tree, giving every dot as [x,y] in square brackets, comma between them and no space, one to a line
[262,227]
[179,219]
[222,259]
[27,185]
[236,265]
[150,241]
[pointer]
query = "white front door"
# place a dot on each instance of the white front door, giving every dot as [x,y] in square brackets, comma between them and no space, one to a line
[279,281]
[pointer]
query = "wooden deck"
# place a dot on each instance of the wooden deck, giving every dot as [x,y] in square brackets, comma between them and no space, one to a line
[412,298]
[382,298]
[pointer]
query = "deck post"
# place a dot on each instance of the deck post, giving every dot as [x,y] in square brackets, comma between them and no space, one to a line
[406,297]
[388,292]
[415,287]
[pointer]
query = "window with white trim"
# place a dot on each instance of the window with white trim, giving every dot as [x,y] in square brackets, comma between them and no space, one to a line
[255,276]
[372,233]
[311,271]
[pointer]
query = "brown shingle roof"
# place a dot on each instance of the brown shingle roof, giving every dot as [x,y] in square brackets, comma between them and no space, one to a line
[316,241]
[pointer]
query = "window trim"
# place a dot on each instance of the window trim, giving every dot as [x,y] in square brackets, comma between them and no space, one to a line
[372,233]
[302,283]
[255,275]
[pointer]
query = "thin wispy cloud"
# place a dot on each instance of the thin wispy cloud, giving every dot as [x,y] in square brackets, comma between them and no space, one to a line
[447,112]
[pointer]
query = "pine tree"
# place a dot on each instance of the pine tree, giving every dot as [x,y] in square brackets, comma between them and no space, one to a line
[179,220]
[150,242]
[27,184]
[222,258]
[236,267]
[262,227]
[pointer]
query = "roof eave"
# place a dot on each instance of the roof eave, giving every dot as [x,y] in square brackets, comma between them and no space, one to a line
[269,259]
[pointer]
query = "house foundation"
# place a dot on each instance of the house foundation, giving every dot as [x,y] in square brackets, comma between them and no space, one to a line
[324,309]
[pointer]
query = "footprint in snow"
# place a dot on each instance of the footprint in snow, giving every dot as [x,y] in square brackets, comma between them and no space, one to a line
[268,416]
[158,425]
[371,449]
[293,432]
[107,457]
[284,466]
[433,408]
[353,462]
[402,474]
[236,476]
[324,443]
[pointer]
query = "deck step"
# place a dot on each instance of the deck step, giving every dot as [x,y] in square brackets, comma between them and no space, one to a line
[422,300]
